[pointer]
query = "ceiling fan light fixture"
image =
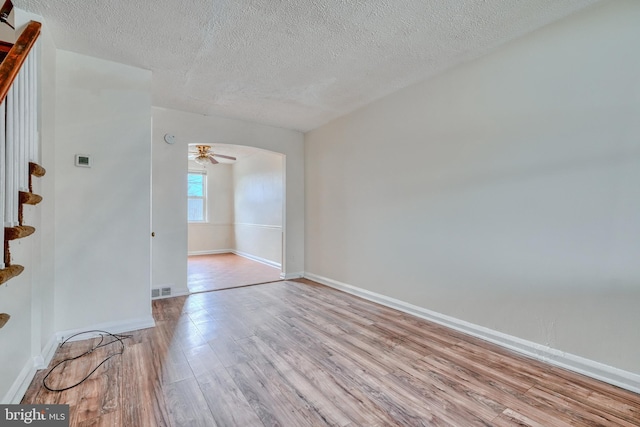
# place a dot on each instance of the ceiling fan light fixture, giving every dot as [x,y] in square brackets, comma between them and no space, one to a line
[203,156]
[202,160]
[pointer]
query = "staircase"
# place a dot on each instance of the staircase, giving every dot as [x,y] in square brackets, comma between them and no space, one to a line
[19,147]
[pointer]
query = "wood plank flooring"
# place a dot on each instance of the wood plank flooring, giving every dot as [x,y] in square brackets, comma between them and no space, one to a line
[296,353]
[225,271]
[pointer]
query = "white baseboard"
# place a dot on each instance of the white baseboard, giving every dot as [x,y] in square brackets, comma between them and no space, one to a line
[117,327]
[291,276]
[257,258]
[211,252]
[239,253]
[21,384]
[175,291]
[23,381]
[49,350]
[618,377]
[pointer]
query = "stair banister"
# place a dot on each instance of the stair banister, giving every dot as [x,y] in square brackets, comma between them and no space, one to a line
[12,64]
[18,141]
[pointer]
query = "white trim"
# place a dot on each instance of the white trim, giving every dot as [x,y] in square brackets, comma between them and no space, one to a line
[609,374]
[211,252]
[19,387]
[21,384]
[49,350]
[248,224]
[291,276]
[113,327]
[181,293]
[257,258]
[242,254]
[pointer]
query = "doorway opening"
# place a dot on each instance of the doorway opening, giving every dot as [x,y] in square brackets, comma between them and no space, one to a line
[236,218]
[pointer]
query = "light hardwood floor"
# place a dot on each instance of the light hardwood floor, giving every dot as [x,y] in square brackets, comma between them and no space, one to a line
[225,271]
[301,354]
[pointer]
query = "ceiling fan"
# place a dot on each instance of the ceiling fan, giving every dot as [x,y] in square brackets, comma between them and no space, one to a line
[203,155]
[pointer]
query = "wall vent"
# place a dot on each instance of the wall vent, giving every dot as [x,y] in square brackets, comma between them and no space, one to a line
[160,292]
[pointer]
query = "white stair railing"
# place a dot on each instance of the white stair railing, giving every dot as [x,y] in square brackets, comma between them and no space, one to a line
[18,133]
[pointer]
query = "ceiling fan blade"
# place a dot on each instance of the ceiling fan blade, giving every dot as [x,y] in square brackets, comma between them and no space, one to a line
[225,157]
[213,161]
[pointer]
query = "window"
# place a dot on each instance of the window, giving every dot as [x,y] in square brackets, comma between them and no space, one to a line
[197,196]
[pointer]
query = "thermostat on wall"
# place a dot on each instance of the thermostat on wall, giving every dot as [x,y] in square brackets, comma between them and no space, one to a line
[83,160]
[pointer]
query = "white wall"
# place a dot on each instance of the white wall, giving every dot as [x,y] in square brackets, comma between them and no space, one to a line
[26,340]
[102,213]
[169,219]
[216,234]
[192,128]
[258,209]
[43,299]
[503,192]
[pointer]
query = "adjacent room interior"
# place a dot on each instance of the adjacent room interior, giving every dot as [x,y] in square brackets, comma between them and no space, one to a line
[235,213]
[446,193]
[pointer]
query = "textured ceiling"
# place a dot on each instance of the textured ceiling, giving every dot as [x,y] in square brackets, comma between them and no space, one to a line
[290,63]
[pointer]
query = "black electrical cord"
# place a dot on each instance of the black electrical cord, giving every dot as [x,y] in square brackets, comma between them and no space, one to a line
[103,334]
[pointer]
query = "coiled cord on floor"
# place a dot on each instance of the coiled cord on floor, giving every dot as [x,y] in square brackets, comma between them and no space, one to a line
[116,338]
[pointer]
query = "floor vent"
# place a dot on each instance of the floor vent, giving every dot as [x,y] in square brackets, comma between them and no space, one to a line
[166,292]
[155,293]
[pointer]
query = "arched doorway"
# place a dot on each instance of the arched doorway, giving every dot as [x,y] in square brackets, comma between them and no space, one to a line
[169,198]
